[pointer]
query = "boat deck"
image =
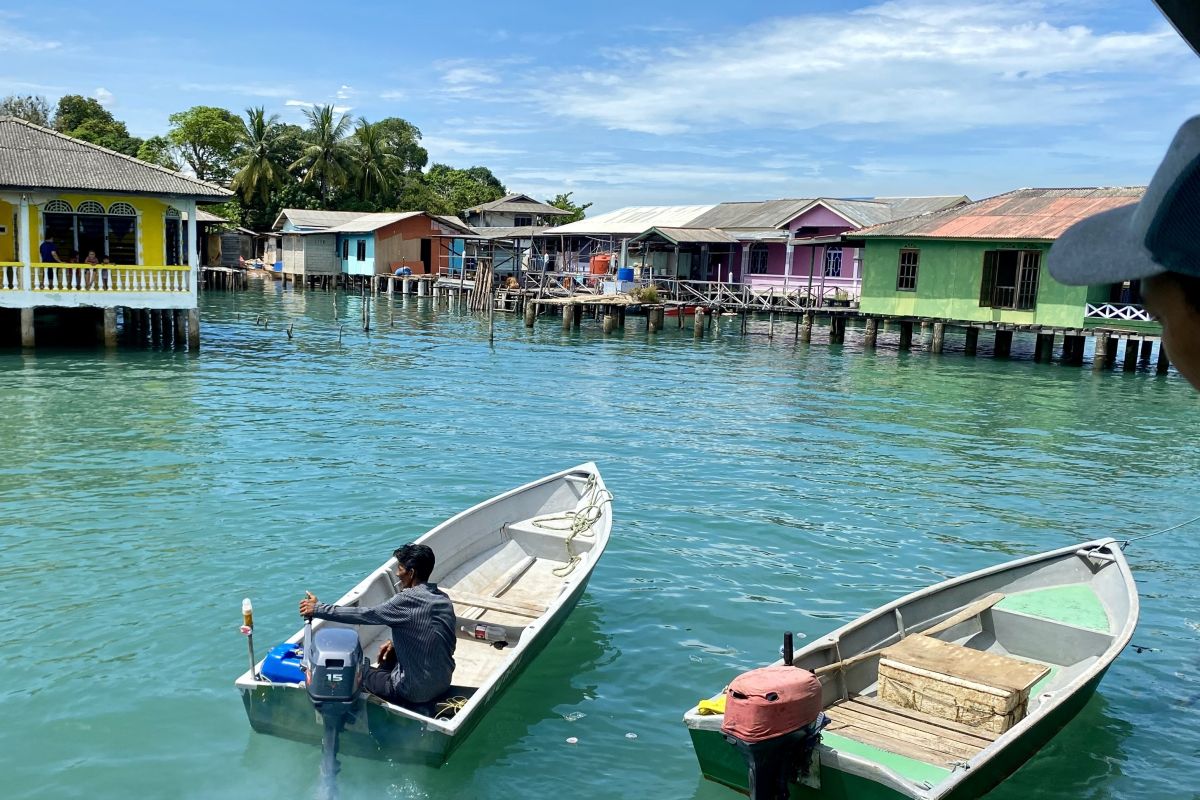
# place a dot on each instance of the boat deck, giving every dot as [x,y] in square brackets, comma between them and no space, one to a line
[907,733]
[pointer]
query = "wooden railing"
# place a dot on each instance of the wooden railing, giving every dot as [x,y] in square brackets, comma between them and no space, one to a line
[107,278]
[1124,311]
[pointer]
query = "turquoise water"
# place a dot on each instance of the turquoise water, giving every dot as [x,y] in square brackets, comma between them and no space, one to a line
[760,485]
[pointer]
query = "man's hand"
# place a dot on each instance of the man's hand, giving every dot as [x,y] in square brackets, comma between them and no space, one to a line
[387,655]
[308,605]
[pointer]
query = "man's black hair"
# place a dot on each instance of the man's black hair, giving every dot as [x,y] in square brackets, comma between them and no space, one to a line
[418,558]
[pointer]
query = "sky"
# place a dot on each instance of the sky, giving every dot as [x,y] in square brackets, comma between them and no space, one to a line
[638,103]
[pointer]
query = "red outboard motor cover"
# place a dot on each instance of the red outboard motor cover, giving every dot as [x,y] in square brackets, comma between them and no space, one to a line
[764,703]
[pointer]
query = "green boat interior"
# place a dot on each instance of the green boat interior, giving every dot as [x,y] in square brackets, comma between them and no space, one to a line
[1061,629]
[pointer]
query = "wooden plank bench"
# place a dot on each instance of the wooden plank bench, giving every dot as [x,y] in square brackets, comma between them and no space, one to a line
[906,733]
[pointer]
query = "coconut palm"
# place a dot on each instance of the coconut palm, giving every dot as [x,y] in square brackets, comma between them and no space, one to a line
[259,170]
[374,162]
[325,160]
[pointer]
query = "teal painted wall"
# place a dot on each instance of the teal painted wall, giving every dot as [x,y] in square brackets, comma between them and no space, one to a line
[351,265]
[949,275]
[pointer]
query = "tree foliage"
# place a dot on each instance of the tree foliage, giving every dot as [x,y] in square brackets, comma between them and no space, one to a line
[452,190]
[259,161]
[84,118]
[29,107]
[325,161]
[563,200]
[158,150]
[207,138]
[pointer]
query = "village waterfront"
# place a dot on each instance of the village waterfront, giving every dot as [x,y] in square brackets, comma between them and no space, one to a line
[761,485]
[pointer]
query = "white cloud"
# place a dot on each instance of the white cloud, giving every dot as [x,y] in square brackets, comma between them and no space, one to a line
[300,104]
[15,41]
[439,145]
[392,94]
[345,92]
[250,90]
[462,76]
[911,65]
[103,96]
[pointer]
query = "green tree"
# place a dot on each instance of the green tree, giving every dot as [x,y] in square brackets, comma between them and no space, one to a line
[563,201]
[404,140]
[372,160]
[157,150]
[207,138]
[84,118]
[29,107]
[324,162]
[452,190]
[260,162]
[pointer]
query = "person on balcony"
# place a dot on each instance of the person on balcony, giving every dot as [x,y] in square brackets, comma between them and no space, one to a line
[1154,240]
[49,251]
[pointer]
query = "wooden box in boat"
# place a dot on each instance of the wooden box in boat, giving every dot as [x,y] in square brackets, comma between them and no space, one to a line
[949,681]
[519,561]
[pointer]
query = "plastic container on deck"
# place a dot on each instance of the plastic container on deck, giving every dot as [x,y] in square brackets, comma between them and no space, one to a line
[599,264]
[282,664]
[625,274]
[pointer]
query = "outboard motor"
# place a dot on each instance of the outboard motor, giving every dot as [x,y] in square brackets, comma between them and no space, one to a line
[773,717]
[334,675]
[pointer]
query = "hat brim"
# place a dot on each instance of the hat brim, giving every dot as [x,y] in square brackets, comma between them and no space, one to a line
[1101,249]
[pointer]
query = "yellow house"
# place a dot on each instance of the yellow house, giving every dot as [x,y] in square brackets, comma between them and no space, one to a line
[83,227]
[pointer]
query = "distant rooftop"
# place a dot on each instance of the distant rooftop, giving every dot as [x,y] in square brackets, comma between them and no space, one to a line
[520,203]
[631,221]
[312,218]
[1021,214]
[33,157]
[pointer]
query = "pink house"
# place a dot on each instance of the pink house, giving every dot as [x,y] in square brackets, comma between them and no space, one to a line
[797,247]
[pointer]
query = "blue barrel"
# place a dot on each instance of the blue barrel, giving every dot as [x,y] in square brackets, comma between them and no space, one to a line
[625,274]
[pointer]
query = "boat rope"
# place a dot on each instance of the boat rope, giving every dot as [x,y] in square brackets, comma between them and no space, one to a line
[447,708]
[1127,542]
[579,522]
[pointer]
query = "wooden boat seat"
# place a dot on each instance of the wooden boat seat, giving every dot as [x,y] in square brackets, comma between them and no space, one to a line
[906,732]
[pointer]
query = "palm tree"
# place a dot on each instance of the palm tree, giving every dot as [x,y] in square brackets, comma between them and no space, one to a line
[258,167]
[324,159]
[373,160]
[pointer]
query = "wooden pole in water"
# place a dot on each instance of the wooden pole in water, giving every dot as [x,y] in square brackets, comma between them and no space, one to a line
[566,318]
[1003,346]
[1100,359]
[1131,355]
[530,314]
[1147,348]
[610,323]
[806,328]
[194,329]
[771,325]
[1163,362]
[972,341]
[939,337]
[872,333]
[110,328]
[180,327]
[698,324]
[906,331]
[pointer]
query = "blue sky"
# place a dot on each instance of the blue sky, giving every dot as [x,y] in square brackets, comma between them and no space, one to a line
[653,103]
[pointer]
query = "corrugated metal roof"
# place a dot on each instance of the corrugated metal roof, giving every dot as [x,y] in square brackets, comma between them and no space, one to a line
[1021,214]
[205,216]
[690,235]
[632,220]
[33,157]
[502,232]
[753,214]
[518,202]
[366,223]
[314,218]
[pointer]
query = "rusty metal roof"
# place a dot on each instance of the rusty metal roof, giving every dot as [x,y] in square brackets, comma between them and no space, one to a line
[1025,214]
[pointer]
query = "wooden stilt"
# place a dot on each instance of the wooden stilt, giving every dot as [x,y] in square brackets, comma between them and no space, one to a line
[1003,346]
[567,315]
[698,325]
[1147,348]
[1131,355]
[806,327]
[906,331]
[1100,359]
[971,346]
[530,313]
[939,337]
[610,323]
[180,326]
[1163,362]
[872,334]
[1110,358]
[193,334]
[27,337]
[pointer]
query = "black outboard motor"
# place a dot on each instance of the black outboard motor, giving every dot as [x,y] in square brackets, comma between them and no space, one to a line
[334,676]
[773,717]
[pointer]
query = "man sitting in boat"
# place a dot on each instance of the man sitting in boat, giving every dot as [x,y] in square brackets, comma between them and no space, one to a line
[416,666]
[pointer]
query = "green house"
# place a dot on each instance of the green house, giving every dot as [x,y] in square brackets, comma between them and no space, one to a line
[984,262]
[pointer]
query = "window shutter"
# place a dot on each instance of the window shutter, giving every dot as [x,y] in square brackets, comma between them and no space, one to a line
[988,285]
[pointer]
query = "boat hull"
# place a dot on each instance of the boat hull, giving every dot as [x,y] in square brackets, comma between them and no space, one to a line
[721,763]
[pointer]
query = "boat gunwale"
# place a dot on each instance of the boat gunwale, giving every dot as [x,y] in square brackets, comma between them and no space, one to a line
[879,773]
[481,696]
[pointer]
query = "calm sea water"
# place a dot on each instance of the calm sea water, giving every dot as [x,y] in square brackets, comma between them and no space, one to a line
[760,485]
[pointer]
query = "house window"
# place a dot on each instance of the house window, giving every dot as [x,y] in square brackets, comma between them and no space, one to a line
[522,221]
[112,235]
[361,253]
[906,274]
[1010,279]
[758,259]
[345,249]
[833,262]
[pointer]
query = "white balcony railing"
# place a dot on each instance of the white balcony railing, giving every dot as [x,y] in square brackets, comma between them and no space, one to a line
[142,286]
[1128,312]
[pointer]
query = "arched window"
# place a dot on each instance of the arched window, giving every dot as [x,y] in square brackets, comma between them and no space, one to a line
[172,212]
[57,207]
[90,207]
[833,262]
[122,210]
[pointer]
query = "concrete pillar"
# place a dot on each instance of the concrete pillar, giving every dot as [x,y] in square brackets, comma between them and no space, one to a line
[872,334]
[567,315]
[1044,349]
[1147,348]
[972,343]
[27,339]
[906,331]
[420,288]
[653,320]
[806,327]
[193,317]
[610,323]
[1003,346]
[1110,355]
[1163,362]
[25,245]
[406,286]
[180,326]
[939,336]
[110,328]
[577,311]
[1131,355]
[530,314]
[1100,359]
[193,241]
[698,324]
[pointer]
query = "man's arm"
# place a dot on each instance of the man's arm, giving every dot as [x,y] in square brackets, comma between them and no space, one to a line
[393,612]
